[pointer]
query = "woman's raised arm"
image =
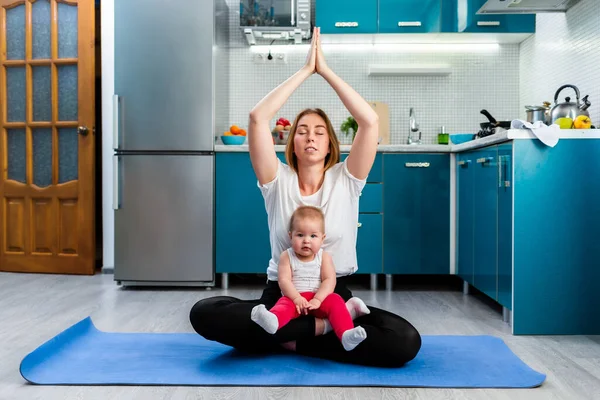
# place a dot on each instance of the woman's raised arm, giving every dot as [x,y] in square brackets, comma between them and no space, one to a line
[260,141]
[364,148]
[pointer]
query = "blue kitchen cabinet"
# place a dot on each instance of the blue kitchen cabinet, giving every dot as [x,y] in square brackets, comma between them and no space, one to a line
[469,21]
[346,16]
[241,230]
[505,210]
[485,206]
[415,16]
[416,218]
[556,231]
[369,246]
[464,172]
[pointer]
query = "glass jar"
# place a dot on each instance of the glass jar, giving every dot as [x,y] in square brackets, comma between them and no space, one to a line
[443,136]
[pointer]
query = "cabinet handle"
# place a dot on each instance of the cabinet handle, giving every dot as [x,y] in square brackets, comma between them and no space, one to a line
[416,165]
[346,24]
[293,21]
[409,23]
[488,23]
[359,224]
[116,121]
[484,160]
[464,162]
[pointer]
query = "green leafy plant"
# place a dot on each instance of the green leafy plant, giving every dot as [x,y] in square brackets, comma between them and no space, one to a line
[349,126]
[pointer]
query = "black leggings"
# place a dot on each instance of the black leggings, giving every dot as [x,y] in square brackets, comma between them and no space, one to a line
[391,340]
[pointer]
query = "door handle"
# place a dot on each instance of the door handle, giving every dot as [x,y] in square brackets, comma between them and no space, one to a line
[116,184]
[484,160]
[116,121]
[409,23]
[83,130]
[488,23]
[464,162]
[417,165]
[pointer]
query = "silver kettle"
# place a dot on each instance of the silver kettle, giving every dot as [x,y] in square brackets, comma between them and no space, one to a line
[568,109]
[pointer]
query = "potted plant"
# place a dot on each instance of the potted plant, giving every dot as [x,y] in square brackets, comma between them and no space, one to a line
[349,126]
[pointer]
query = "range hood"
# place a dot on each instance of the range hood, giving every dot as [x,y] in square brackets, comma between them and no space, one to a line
[525,6]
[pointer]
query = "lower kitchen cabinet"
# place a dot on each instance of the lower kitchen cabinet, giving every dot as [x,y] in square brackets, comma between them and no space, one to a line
[484,221]
[241,230]
[369,246]
[416,217]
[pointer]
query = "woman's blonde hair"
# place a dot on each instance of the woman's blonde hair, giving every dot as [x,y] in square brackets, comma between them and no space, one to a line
[334,144]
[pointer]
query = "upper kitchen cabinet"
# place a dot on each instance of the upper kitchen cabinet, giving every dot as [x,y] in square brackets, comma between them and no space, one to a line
[415,16]
[346,16]
[469,21]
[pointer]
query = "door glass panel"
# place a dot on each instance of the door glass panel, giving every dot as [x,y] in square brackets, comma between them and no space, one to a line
[15,33]
[67,93]
[42,157]
[15,85]
[16,154]
[40,21]
[67,154]
[42,95]
[67,31]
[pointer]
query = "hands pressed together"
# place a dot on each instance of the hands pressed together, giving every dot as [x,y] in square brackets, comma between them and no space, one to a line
[303,306]
[315,60]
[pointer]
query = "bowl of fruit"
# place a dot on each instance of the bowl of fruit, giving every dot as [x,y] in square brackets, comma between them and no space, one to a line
[281,131]
[234,136]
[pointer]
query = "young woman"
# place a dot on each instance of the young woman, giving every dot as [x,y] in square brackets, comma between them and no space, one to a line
[313,176]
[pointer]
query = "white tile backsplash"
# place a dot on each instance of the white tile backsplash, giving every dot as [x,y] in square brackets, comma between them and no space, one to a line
[564,50]
[478,80]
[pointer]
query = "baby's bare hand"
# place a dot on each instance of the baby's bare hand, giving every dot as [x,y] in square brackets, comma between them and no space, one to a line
[314,304]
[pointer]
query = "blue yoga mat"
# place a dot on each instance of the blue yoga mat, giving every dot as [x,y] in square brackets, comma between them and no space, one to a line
[83,355]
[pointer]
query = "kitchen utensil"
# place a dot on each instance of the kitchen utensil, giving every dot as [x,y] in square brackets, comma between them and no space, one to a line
[569,109]
[383,112]
[458,138]
[493,123]
[536,113]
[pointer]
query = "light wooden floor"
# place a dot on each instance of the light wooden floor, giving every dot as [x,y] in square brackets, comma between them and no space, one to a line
[33,308]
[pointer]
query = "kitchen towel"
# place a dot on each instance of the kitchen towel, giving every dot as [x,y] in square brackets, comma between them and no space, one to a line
[547,134]
[84,355]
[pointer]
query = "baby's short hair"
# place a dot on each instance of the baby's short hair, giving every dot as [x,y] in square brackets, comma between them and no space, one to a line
[307,212]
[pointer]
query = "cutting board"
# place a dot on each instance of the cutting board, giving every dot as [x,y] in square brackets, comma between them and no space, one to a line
[383,111]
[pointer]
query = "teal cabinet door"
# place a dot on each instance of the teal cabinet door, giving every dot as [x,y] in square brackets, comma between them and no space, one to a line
[346,16]
[505,209]
[241,230]
[410,16]
[470,21]
[485,197]
[369,245]
[416,205]
[464,172]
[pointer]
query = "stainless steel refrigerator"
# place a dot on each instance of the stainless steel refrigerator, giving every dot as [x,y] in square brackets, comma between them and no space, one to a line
[164,129]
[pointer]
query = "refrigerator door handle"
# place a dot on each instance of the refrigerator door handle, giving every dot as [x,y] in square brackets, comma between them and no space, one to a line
[116,185]
[116,121]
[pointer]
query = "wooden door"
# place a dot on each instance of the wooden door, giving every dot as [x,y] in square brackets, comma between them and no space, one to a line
[47,136]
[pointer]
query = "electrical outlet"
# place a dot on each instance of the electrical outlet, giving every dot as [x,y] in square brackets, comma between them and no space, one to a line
[280,58]
[259,58]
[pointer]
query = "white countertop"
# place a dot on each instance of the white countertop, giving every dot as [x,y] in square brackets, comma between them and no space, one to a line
[504,136]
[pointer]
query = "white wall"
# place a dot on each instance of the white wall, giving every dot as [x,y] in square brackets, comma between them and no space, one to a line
[108,89]
[564,50]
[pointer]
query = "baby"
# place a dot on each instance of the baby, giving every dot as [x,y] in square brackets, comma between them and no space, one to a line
[307,278]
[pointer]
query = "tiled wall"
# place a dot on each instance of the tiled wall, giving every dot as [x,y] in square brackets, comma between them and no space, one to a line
[478,80]
[564,50]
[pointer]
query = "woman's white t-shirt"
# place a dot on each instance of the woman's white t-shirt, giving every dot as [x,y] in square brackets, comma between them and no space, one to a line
[337,198]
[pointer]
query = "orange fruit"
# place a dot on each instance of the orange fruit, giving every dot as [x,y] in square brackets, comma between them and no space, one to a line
[227,133]
[234,129]
[242,132]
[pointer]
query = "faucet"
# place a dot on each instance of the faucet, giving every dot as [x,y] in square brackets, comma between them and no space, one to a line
[413,127]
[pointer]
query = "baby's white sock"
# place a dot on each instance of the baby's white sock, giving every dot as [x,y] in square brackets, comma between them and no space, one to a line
[351,338]
[357,307]
[265,318]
